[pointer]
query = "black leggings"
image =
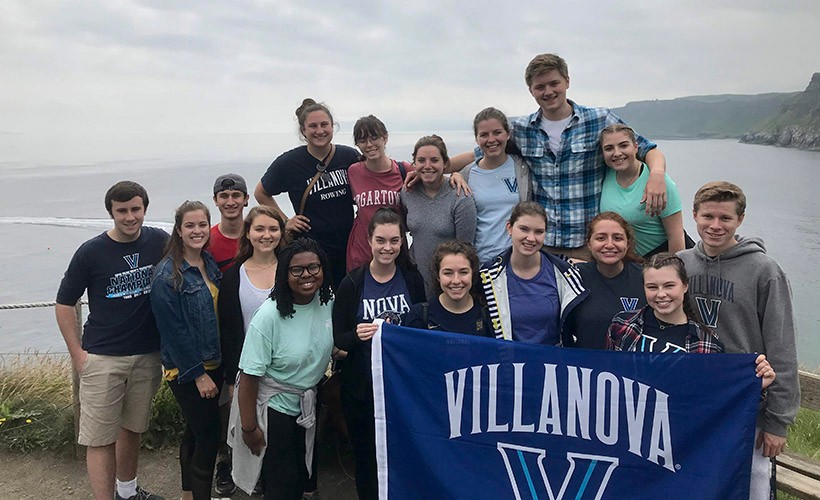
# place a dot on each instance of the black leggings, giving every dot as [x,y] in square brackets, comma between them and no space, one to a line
[361,425]
[200,442]
[283,467]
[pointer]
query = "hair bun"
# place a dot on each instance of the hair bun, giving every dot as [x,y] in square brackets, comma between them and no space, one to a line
[305,103]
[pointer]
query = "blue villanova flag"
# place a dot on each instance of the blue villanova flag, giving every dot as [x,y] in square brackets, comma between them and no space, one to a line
[459,416]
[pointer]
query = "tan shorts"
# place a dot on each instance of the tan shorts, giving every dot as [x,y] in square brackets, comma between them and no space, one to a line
[116,392]
[580,254]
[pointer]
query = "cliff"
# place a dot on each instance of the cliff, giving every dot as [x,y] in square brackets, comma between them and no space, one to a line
[797,125]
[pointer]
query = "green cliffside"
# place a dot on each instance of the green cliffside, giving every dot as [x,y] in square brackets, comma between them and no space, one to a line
[780,119]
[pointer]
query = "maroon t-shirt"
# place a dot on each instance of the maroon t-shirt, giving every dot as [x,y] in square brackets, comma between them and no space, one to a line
[222,248]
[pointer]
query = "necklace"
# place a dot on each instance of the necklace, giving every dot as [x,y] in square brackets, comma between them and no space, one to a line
[632,178]
[260,266]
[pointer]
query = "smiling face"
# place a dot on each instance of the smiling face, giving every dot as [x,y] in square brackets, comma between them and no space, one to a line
[665,291]
[194,230]
[372,147]
[717,222]
[385,243]
[231,203]
[429,164]
[608,242]
[264,234]
[318,129]
[304,285]
[620,151]
[527,234]
[455,276]
[128,217]
[491,137]
[550,92]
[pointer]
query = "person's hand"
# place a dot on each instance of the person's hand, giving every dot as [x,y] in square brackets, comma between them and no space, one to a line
[207,388]
[254,440]
[764,370]
[365,331]
[298,224]
[78,360]
[338,353]
[772,445]
[654,196]
[458,183]
[411,179]
[230,393]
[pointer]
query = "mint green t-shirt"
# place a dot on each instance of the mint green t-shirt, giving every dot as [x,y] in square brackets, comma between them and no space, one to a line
[649,231]
[294,351]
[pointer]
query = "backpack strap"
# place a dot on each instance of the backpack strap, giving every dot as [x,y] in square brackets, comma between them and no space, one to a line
[403,173]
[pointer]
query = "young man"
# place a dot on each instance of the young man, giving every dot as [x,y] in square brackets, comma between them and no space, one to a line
[118,359]
[559,141]
[231,198]
[743,295]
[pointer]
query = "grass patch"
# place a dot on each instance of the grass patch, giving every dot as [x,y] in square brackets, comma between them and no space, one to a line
[36,411]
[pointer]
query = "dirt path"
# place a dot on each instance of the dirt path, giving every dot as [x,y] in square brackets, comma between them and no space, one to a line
[48,476]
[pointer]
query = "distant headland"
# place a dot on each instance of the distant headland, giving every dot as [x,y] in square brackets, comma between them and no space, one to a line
[789,119]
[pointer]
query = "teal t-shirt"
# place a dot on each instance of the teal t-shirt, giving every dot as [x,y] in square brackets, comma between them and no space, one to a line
[626,201]
[294,351]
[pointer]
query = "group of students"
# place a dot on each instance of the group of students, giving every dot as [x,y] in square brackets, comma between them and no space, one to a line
[537,239]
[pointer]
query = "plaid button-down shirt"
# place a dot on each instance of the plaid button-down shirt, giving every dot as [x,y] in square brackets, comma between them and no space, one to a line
[626,331]
[568,184]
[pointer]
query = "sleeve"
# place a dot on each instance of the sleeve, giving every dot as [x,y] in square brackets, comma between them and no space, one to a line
[412,318]
[275,178]
[344,316]
[464,218]
[673,203]
[231,324]
[75,280]
[177,340]
[257,351]
[644,144]
[780,338]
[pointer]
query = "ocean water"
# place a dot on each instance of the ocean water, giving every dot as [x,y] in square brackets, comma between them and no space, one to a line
[53,190]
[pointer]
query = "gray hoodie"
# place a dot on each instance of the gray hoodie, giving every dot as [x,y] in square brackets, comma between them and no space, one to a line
[745,297]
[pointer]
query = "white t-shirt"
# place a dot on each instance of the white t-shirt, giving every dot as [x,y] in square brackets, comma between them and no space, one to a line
[250,297]
[554,131]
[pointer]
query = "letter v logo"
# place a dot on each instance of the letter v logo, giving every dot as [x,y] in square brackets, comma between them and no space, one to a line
[586,477]
[512,184]
[629,303]
[133,260]
[709,311]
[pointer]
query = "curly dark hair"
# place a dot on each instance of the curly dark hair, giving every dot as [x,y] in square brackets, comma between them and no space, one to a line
[282,293]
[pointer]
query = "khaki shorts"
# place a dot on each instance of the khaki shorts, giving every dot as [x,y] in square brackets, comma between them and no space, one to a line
[116,392]
[576,254]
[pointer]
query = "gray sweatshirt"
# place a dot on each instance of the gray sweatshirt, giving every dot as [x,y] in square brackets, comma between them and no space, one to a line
[745,297]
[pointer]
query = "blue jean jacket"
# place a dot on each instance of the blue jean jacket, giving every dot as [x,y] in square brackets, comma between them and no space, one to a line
[186,318]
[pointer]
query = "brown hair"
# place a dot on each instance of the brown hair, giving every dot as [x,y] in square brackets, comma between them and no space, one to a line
[719,191]
[368,126]
[123,191]
[309,106]
[618,127]
[386,215]
[631,254]
[544,63]
[432,140]
[245,250]
[527,208]
[175,248]
[668,259]
[490,114]
[455,247]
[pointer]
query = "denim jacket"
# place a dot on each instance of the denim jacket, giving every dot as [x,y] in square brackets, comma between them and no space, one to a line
[186,318]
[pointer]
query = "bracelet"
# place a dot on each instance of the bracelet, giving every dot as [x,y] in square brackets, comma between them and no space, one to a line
[252,430]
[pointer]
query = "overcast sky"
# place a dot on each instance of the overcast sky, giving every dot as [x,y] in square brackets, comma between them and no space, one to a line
[244,66]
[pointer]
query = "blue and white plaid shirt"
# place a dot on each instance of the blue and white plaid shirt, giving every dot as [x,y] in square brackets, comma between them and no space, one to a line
[568,185]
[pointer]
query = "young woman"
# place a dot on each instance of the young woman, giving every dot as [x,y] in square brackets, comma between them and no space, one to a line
[248,283]
[623,189]
[315,178]
[183,297]
[457,305]
[434,211]
[532,290]
[287,350]
[666,323]
[613,279]
[375,182]
[498,181]
[384,288]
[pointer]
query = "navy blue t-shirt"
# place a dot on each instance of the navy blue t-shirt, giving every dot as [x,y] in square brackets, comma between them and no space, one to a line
[472,322]
[535,307]
[383,300]
[117,277]
[589,321]
[658,336]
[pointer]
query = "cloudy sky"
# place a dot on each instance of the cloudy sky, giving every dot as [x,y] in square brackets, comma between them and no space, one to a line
[244,66]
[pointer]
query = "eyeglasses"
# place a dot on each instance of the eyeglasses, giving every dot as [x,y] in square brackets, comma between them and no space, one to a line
[373,139]
[298,271]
